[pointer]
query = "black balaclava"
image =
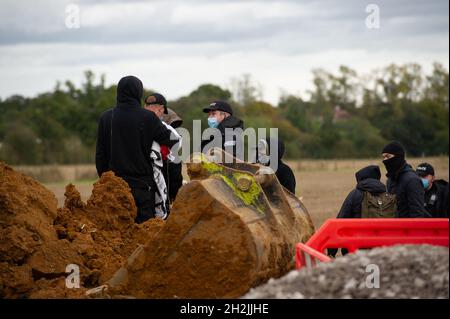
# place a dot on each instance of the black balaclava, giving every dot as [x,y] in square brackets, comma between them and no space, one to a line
[129,91]
[394,164]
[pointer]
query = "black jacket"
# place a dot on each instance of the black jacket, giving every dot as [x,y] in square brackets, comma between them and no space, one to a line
[229,122]
[286,176]
[367,181]
[436,199]
[284,173]
[174,178]
[408,188]
[126,134]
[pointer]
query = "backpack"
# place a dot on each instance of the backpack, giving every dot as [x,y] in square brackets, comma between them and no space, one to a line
[382,205]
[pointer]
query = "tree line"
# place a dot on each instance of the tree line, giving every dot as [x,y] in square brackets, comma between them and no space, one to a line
[345,115]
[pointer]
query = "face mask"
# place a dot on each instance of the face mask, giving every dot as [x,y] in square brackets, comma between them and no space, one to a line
[425,183]
[212,122]
[394,164]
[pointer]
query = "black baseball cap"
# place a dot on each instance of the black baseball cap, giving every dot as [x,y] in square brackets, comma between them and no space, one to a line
[219,106]
[157,98]
[424,169]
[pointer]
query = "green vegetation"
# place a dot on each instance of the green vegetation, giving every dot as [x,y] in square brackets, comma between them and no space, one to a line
[345,116]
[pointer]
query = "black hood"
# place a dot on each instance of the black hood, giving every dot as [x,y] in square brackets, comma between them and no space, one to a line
[276,141]
[230,122]
[372,171]
[129,91]
[371,185]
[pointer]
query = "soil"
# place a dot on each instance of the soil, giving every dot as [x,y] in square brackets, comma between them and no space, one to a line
[38,241]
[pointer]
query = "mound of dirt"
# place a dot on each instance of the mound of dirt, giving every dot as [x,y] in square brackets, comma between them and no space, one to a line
[38,241]
[27,211]
[406,271]
[103,230]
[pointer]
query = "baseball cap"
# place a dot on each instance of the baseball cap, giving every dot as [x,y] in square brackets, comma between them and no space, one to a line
[424,169]
[157,98]
[219,106]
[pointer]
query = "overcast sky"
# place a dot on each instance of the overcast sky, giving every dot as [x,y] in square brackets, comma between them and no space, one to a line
[174,46]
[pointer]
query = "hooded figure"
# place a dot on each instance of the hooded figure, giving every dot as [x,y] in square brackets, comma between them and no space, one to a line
[124,141]
[368,180]
[403,182]
[284,172]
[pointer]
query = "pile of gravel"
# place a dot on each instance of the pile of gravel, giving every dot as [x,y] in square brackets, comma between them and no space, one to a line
[406,271]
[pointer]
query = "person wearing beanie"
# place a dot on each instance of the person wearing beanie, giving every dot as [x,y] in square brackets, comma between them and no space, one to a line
[403,182]
[436,191]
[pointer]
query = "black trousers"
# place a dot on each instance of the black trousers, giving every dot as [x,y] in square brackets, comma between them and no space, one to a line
[145,203]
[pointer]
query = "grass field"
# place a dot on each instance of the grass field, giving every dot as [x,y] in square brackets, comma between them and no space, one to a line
[322,184]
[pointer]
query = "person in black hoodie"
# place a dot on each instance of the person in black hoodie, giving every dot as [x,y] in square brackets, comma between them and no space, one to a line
[220,116]
[436,191]
[124,141]
[368,180]
[403,182]
[284,172]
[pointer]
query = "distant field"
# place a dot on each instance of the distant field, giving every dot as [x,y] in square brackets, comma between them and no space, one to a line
[322,184]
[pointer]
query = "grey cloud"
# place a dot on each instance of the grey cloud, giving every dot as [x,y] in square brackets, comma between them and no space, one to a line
[325,16]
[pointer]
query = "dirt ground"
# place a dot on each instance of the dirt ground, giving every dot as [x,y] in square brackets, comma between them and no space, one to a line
[322,185]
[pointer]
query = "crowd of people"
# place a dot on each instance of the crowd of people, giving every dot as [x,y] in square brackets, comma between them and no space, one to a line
[136,143]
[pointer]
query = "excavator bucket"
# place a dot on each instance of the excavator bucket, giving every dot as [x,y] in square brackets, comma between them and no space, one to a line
[232,227]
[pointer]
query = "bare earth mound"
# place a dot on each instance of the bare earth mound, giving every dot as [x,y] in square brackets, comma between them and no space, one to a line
[38,241]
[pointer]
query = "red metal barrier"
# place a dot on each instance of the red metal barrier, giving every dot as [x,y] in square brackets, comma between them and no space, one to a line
[354,234]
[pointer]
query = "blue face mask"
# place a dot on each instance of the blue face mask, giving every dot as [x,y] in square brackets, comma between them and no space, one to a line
[212,122]
[425,183]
